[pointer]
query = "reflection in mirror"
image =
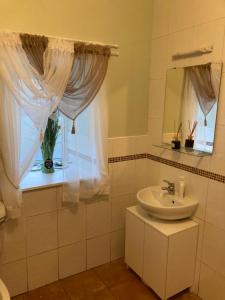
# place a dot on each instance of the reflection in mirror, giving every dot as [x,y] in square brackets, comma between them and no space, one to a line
[191,99]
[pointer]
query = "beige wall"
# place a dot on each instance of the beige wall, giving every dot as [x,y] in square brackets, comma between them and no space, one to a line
[183,25]
[126,23]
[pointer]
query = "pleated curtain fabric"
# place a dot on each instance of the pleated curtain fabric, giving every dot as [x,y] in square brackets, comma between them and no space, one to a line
[36,75]
[88,72]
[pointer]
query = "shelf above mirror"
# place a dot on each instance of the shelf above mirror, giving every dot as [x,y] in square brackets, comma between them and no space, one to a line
[183,150]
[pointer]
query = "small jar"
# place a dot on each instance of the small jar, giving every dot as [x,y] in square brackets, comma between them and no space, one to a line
[175,144]
[189,143]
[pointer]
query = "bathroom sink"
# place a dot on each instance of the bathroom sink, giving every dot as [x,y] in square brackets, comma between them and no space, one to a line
[4,294]
[164,206]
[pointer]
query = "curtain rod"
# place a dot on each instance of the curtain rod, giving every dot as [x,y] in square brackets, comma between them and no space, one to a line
[112,46]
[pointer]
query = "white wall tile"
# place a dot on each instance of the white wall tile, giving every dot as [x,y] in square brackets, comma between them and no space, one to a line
[123,178]
[182,14]
[221,105]
[219,144]
[209,10]
[14,243]
[140,144]
[119,205]
[214,248]
[159,58]
[197,162]
[98,251]
[179,41]
[110,147]
[215,209]
[201,225]
[42,269]
[14,275]
[71,224]
[141,170]
[98,220]
[117,244]
[153,173]
[196,188]
[41,233]
[160,24]
[212,284]
[123,146]
[155,127]
[218,163]
[72,259]
[156,98]
[39,201]
[205,35]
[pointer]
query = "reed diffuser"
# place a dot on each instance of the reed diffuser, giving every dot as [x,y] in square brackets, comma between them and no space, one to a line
[175,144]
[189,142]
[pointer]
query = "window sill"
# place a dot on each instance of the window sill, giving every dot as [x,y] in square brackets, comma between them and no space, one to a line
[38,180]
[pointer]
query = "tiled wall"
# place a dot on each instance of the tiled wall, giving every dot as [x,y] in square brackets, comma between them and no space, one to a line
[184,25]
[51,242]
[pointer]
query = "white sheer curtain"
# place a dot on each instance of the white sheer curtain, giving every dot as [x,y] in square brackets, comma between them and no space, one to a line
[25,92]
[86,172]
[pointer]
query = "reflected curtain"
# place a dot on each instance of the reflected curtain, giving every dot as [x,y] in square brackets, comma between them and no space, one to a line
[206,81]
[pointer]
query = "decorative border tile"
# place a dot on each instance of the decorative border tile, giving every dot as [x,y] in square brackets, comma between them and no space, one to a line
[127,157]
[187,168]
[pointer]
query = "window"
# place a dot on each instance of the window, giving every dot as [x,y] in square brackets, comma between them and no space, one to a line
[79,142]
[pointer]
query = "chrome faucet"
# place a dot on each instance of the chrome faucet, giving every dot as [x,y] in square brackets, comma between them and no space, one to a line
[170,188]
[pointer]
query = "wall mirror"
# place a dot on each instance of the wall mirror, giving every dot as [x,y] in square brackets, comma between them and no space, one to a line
[190,108]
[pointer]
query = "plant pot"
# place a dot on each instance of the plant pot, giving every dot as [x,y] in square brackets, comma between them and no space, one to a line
[47,166]
[48,145]
[175,144]
[189,143]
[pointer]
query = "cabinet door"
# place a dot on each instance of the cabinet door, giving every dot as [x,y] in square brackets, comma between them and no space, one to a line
[134,243]
[181,260]
[155,260]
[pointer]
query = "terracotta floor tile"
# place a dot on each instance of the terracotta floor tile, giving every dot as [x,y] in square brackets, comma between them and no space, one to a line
[186,295]
[114,273]
[20,297]
[82,285]
[52,291]
[133,290]
[102,295]
[108,282]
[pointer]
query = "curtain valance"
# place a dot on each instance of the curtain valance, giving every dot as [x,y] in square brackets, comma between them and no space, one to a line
[88,71]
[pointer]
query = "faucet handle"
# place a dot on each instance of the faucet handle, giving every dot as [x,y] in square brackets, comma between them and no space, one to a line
[168,182]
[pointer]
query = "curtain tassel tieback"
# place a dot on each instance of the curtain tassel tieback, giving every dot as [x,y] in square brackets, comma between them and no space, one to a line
[73,130]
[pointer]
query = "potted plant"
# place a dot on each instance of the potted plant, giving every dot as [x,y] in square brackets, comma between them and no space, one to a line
[48,143]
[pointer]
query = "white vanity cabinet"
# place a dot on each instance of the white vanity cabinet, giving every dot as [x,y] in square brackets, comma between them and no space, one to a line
[162,253]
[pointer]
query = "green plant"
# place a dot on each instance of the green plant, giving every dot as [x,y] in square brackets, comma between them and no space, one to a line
[48,144]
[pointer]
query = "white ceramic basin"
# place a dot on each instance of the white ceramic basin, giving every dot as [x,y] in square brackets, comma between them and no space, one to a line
[160,204]
[4,294]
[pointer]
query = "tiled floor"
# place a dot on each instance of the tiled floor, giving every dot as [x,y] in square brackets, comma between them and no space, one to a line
[108,282]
